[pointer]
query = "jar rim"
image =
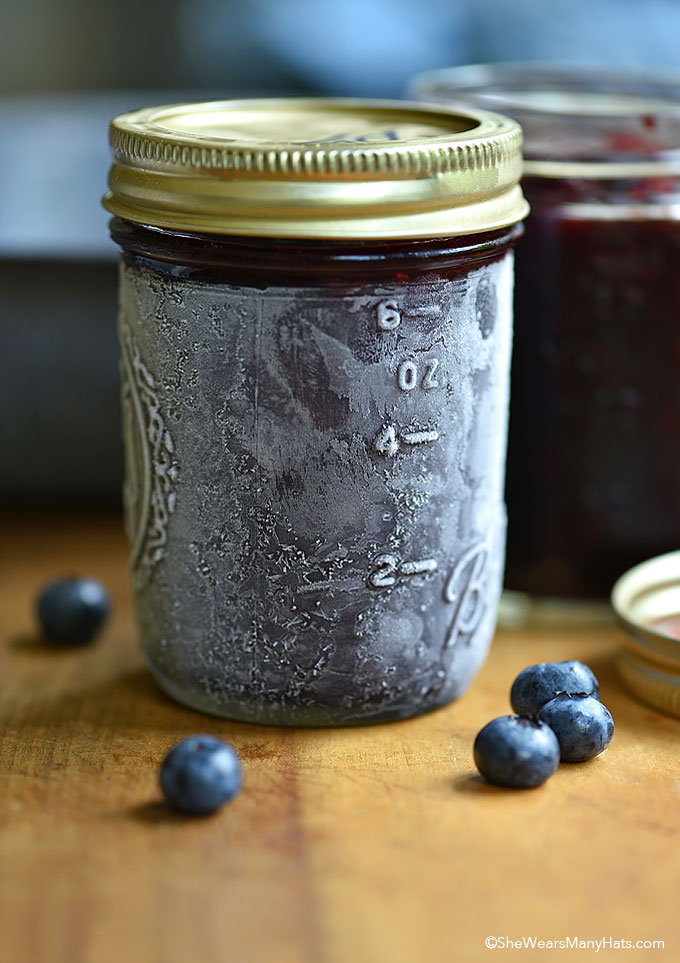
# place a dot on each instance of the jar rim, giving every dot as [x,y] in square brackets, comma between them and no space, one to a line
[579,120]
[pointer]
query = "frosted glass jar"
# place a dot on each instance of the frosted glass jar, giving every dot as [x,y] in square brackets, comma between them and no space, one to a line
[316,340]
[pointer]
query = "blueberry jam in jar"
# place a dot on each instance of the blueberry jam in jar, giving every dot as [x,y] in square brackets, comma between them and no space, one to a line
[593,462]
[315,326]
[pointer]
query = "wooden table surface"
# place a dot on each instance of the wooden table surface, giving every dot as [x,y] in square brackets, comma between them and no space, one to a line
[347,846]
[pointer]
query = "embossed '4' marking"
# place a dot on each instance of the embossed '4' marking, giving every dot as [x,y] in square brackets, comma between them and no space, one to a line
[387,442]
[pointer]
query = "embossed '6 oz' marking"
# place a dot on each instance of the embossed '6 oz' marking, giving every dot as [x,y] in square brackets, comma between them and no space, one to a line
[429,379]
[388,568]
[407,375]
[389,316]
[466,589]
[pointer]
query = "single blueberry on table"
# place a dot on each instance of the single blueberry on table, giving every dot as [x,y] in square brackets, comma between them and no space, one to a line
[200,774]
[538,684]
[72,610]
[583,726]
[517,752]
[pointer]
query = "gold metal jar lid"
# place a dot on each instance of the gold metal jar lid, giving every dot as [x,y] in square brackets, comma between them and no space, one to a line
[315,168]
[646,600]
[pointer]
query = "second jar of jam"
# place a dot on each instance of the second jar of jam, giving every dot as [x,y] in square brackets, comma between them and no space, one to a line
[315,324]
[593,483]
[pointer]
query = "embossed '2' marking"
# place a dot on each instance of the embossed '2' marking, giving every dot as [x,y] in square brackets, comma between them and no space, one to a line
[465,588]
[388,568]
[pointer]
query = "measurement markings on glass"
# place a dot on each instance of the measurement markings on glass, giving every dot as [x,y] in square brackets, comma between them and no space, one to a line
[387,441]
[388,568]
[409,376]
[389,315]
[419,437]
[342,584]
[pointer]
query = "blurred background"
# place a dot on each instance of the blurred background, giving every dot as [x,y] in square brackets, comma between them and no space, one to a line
[67,67]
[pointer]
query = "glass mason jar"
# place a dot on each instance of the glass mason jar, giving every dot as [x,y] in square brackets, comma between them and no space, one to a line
[593,461]
[315,323]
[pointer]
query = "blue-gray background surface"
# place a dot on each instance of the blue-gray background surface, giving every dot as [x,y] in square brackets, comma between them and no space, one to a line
[67,67]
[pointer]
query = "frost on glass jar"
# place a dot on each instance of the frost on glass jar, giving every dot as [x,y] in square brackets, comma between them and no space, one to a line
[594,460]
[315,323]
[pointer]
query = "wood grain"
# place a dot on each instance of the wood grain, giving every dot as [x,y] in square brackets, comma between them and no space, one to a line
[346,846]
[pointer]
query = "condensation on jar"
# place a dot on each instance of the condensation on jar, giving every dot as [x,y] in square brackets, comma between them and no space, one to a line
[315,338]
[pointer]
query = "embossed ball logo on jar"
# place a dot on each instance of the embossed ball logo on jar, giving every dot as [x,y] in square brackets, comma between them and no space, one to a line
[466,589]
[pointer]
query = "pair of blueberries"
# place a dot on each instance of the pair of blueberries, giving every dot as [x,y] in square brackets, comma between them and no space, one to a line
[559,718]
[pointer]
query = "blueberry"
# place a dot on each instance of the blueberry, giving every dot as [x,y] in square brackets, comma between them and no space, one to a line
[540,683]
[72,610]
[200,774]
[516,751]
[583,726]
